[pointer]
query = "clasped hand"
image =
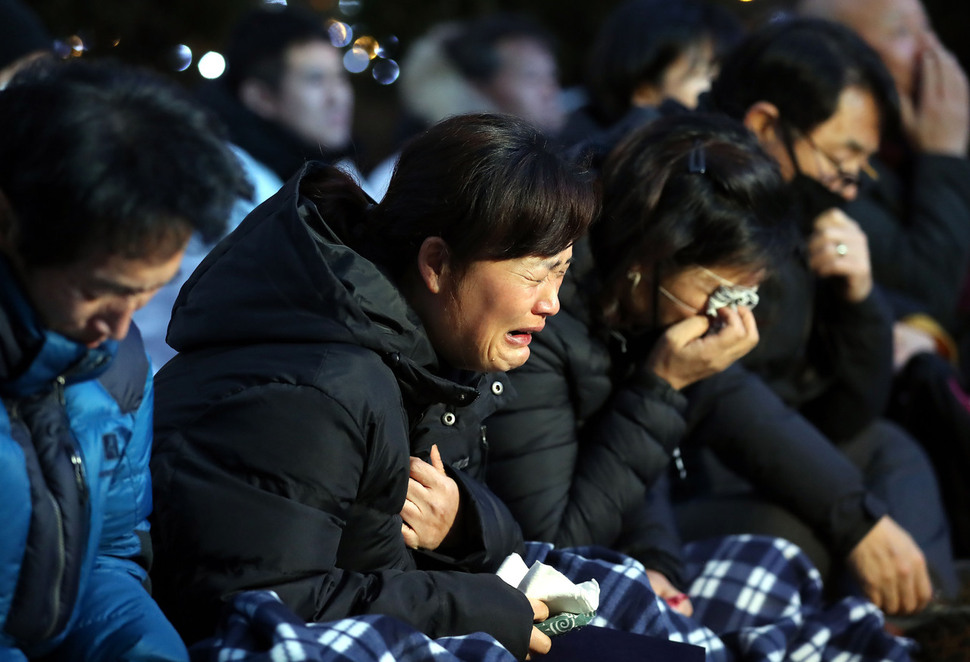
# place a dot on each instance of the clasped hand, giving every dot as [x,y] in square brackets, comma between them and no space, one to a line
[428,515]
[431,506]
[689,351]
[838,248]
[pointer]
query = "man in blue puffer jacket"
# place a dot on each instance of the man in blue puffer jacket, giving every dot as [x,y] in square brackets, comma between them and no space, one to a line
[104,175]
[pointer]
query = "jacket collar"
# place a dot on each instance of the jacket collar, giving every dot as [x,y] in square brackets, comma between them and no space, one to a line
[32,358]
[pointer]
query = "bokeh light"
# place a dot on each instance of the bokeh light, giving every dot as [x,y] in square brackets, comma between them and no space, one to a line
[385,71]
[387,46]
[341,34]
[349,7]
[76,44]
[212,65]
[180,57]
[61,49]
[367,44]
[356,60]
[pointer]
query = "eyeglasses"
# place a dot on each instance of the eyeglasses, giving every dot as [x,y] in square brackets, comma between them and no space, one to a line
[843,178]
[726,294]
[680,302]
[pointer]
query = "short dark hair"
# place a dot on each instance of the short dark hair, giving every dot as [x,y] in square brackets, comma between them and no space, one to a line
[640,39]
[473,49]
[490,185]
[690,189]
[802,65]
[258,43]
[99,157]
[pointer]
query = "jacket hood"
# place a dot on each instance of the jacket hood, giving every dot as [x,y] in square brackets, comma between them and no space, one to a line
[431,86]
[283,276]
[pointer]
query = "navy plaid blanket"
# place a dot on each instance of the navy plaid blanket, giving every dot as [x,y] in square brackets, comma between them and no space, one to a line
[755,598]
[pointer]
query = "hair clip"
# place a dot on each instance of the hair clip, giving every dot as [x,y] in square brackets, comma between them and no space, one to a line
[696,161]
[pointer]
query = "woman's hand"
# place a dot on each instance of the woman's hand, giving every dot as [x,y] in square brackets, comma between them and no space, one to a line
[675,599]
[432,503]
[540,643]
[689,351]
[891,569]
[838,248]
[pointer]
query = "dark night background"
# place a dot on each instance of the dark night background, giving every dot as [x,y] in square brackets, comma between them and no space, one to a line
[145,32]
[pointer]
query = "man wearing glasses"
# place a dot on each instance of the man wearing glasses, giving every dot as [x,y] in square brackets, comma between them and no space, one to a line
[916,214]
[817,97]
[915,205]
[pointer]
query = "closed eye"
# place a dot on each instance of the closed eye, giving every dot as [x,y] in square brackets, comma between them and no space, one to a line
[533,279]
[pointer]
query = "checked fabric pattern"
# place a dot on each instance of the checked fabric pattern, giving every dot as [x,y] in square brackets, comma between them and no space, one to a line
[764,598]
[755,598]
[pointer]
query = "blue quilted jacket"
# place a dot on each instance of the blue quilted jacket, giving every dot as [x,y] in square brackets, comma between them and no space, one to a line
[75,438]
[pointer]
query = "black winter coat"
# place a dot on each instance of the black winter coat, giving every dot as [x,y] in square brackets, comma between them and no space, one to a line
[917,221]
[576,454]
[283,431]
[820,374]
[828,358]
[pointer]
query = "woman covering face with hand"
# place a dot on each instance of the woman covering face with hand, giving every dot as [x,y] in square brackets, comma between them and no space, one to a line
[693,215]
[681,252]
[692,212]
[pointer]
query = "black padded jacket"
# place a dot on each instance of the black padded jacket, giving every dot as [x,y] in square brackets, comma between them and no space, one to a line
[576,455]
[283,430]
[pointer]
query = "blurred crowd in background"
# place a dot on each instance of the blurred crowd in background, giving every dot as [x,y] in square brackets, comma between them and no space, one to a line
[156,33]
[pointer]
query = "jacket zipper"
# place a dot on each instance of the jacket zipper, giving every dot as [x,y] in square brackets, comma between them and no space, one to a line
[81,478]
[675,456]
[59,389]
[61,545]
[483,439]
[77,463]
[76,460]
[679,463]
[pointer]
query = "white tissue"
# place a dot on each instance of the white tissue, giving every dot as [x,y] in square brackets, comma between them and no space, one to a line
[543,582]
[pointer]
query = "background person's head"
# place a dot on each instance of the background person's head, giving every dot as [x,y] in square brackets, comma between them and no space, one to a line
[896,29]
[689,201]
[283,67]
[476,228]
[647,51]
[815,94]
[511,60]
[104,174]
